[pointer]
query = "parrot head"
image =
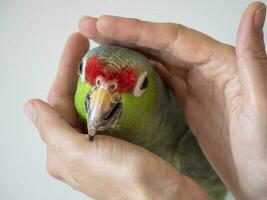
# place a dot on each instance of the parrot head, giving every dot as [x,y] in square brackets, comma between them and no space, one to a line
[108,75]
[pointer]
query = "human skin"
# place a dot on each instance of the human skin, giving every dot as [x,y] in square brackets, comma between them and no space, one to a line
[222,88]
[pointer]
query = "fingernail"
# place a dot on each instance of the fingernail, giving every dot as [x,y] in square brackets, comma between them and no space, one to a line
[259,18]
[30,111]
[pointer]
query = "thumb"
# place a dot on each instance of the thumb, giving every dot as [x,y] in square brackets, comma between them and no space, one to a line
[250,52]
[250,38]
[53,130]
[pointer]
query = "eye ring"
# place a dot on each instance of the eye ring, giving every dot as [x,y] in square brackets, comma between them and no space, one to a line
[144,84]
[141,85]
[98,82]
[81,69]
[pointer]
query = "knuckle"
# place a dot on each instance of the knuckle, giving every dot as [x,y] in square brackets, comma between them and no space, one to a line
[176,32]
[253,54]
[44,136]
[138,23]
[51,95]
[53,98]
[177,28]
[42,129]
[51,170]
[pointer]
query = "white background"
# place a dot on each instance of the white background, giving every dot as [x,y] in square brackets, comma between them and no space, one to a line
[32,35]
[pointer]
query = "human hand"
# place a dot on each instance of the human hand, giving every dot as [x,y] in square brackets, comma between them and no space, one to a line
[106,168]
[223,89]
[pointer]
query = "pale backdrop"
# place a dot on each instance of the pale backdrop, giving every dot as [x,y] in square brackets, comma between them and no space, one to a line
[32,35]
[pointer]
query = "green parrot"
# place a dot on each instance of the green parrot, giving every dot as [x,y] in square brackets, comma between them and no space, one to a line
[120,94]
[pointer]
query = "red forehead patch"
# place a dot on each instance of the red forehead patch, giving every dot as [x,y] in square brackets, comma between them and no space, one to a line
[126,77]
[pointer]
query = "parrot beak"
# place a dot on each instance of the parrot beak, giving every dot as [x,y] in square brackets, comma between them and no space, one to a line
[103,109]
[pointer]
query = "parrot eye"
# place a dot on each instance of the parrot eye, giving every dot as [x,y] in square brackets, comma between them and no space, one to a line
[81,70]
[113,86]
[144,84]
[141,85]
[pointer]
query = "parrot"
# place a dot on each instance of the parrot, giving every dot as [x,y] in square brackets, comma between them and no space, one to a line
[119,93]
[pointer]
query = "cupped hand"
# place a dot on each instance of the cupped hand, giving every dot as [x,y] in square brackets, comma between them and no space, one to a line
[223,88]
[107,168]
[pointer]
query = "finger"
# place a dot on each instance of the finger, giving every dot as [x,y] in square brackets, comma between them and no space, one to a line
[187,44]
[54,131]
[63,89]
[87,26]
[250,51]
[162,56]
[100,161]
[250,40]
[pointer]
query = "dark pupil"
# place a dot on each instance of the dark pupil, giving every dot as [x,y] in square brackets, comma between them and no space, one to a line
[80,70]
[144,84]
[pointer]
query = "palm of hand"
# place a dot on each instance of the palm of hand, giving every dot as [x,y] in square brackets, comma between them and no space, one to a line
[228,126]
[225,105]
